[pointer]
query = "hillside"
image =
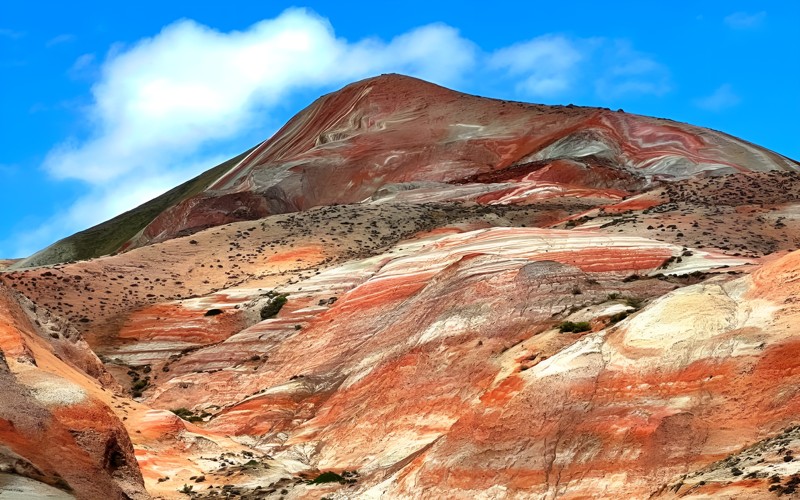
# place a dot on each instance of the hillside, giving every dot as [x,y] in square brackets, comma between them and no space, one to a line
[409,292]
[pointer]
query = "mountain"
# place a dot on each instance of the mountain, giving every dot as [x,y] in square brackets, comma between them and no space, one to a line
[409,292]
[399,138]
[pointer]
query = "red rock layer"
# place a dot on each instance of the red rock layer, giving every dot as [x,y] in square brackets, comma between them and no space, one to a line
[621,412]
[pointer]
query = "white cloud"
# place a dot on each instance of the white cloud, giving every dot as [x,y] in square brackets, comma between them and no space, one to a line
[554,65]
[722,98]
[160,100]
[745,20]
[12,34]
[547,65]
[82,66]
[63,38]
[629,73]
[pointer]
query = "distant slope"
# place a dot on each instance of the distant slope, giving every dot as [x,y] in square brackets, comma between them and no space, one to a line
[108,237]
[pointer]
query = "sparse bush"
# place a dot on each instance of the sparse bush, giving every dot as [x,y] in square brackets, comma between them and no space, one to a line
[271,309]
[327,477]
[189,415]
[138,387]
[616,318]
[634,302]
[570,327]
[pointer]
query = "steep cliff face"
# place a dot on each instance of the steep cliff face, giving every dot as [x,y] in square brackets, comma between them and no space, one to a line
[443,296]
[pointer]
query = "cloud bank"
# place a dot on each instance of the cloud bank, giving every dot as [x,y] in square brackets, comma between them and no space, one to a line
[164,108]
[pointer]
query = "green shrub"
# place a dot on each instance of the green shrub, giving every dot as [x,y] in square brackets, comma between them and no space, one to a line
[570,327]
[189,415]
[616,318]
[141,384]
[634,302]
[273,307]
[327,477]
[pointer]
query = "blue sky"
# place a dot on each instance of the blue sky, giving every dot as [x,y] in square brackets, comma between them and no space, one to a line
[105,105]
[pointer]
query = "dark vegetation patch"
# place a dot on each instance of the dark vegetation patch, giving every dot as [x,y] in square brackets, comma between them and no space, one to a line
[189,415]
[273,307]
[571,327]
[327,477]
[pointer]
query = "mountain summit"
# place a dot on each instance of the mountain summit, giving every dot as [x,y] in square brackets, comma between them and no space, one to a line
[409,292]
[398,137]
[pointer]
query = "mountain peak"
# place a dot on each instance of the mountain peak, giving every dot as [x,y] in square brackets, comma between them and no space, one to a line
[396,135]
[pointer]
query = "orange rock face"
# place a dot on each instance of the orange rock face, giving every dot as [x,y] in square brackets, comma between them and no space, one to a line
[54,425]
[433,295]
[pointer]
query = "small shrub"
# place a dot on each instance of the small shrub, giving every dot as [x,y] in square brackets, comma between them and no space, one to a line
[327,477]
[616,318]
[570,327]
[634,302]
[188,415]
[141,384]
[273,307]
